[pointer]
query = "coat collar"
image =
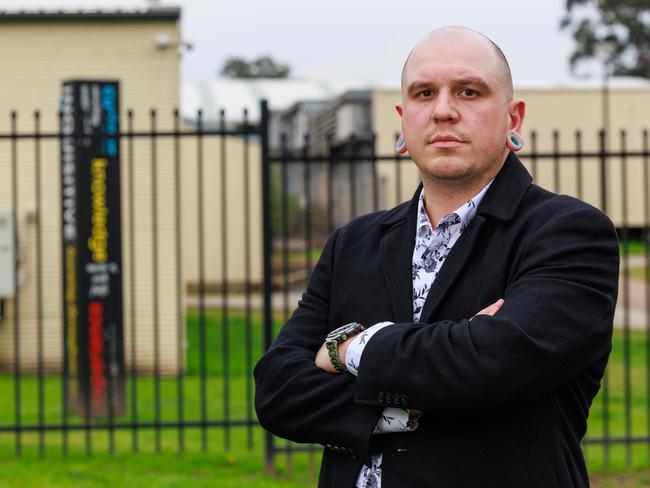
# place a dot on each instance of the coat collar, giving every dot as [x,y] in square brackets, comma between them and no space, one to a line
[500,202]
[507,190]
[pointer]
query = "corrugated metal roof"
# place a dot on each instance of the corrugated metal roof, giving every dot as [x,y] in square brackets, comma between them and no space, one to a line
[235,95]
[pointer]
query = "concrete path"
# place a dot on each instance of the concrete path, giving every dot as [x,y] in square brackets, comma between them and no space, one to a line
[633,297]
[238,302]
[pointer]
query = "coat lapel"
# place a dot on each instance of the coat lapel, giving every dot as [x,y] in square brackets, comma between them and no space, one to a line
[452,267]
[397,255]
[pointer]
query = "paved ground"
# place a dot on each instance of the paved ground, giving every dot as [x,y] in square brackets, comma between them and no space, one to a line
[638,479]
[633,297]
[238,302]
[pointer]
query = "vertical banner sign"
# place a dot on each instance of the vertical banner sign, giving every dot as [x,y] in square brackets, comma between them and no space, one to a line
[92,248]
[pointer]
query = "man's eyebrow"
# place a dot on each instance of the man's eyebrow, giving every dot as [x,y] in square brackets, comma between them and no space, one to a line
[473,80]
[417,86]
[465,80]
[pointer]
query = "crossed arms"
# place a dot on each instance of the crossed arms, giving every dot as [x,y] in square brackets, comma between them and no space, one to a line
[555,321]
[322,357]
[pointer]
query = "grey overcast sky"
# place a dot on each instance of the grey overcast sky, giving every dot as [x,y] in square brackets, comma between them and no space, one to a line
[353,40]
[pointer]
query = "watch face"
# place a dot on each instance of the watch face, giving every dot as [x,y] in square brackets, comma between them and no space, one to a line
[344,332]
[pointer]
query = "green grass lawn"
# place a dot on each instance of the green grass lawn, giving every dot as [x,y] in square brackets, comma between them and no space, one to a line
[146,471]
[634,247]
[618,423]
[205,460]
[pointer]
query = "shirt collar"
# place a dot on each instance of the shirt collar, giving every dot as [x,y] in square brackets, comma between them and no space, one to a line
[465,212]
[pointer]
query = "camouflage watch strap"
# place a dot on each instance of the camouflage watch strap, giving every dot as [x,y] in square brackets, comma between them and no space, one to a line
[332,350]
[335,337]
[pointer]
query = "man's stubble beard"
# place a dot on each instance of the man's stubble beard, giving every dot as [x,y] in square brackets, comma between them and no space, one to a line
[455,174]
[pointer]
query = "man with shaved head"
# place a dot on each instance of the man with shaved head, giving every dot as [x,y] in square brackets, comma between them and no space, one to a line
[458,339]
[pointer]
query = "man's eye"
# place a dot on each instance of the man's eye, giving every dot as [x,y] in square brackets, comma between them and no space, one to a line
[468,92]
[426,93]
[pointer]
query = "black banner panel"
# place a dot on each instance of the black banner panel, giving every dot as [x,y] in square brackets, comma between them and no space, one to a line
[92,248]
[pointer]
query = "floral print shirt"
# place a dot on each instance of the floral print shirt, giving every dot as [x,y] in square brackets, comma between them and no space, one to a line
[432,246]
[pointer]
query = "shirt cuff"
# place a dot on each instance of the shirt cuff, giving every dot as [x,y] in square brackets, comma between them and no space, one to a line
[355,349]
[396,420]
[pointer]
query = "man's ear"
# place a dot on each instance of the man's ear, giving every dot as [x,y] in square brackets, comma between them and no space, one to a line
[400,109]
[516,114]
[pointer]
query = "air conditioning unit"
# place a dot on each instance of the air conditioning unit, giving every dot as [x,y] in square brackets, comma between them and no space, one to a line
[7,254]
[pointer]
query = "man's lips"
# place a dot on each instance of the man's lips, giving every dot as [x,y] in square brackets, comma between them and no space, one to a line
[445,141]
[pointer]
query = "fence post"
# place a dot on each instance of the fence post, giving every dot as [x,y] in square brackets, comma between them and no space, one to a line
[602,150]
[269,462]
[602,146]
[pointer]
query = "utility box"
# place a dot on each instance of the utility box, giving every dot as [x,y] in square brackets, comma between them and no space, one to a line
[7,254]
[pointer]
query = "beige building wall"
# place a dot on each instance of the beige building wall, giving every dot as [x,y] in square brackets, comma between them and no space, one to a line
[549,109]
[398,181]
[568,110]
[243,179]
[37,55]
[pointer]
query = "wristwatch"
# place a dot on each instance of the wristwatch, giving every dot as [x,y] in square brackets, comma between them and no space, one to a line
[337,336]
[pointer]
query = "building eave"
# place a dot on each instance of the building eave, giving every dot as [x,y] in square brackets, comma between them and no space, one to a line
[156,13]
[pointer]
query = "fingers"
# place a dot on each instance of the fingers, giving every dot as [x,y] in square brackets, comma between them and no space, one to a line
[492,309]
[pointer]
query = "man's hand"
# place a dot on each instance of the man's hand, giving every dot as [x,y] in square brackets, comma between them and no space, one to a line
[323,358]
[491,309]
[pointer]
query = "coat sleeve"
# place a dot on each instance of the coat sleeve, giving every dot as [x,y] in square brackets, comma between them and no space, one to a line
[556,321]
[297,400]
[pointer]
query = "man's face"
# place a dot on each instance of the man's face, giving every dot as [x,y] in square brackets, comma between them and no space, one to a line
[455,109]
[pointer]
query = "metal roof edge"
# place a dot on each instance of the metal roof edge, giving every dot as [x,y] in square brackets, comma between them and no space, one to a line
[155,13]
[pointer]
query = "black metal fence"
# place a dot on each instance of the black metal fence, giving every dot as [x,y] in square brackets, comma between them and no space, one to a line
[220,232]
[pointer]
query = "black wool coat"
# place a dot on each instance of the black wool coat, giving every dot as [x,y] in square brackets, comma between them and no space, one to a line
[505,398]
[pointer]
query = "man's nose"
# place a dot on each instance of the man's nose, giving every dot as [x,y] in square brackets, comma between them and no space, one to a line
[444,108]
